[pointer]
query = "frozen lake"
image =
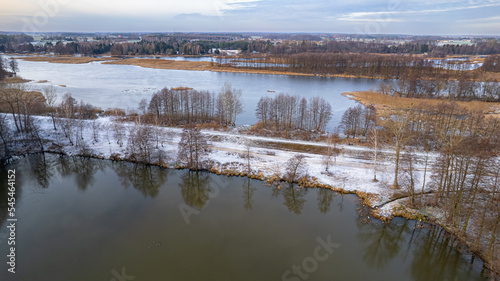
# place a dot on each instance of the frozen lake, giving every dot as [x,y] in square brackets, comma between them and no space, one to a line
[123,86]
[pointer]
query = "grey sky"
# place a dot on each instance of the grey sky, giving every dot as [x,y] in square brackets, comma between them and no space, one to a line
[440,17]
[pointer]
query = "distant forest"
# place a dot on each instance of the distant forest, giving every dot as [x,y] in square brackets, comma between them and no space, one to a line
[173,45]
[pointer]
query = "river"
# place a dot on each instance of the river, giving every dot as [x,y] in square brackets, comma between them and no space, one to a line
[123,86]
[88,219]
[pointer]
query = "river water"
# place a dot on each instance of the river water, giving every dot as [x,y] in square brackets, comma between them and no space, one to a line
[123,86]
[88,219]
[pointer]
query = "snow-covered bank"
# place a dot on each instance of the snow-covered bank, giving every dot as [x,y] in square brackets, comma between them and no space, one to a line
[352,171]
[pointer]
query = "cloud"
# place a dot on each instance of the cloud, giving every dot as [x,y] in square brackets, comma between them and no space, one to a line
[365,16]
[395,16]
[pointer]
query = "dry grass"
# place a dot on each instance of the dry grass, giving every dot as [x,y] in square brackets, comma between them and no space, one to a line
[164,64]
[385,103]
[13,80]
[492,76]
[40,99]
[64,59]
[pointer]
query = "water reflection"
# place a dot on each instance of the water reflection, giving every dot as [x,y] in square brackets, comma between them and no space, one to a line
[145,178]
[195,187]
[293,196]
[381,244]
[248,191]
[56,204]
[325,198]
[433,256]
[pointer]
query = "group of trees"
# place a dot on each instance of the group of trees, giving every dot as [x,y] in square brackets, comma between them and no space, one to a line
[492,63]
[287,112]
[462,89]
[177,106]
[465,176]
[356,121]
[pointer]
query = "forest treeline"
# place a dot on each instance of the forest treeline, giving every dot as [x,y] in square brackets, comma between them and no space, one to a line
[171,45]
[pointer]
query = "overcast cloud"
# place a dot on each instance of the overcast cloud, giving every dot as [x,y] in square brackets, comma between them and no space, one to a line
[440,17]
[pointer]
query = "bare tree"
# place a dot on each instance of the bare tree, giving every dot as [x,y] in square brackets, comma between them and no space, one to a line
[50,94]
[5,135]
[248,147]
[143,105]
[330,152]
[140,143]
[296,168]
[95,130]
[398,133]
[118,132]
[13,66]
[228,104]
[374,137]
[192,147]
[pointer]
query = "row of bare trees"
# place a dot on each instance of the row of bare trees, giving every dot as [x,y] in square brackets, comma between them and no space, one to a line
[287,112]
[465,88]
[176,106]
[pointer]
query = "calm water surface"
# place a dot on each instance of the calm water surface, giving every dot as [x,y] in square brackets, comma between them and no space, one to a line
[86,219]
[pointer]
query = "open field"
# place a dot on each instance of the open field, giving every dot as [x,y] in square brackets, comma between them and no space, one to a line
[385,103]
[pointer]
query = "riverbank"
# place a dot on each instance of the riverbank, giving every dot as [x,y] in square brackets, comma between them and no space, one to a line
[351,171]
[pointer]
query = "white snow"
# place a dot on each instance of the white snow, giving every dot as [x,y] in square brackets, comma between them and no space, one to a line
[349,172]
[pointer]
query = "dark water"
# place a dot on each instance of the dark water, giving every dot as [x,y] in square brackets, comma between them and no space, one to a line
[86,219]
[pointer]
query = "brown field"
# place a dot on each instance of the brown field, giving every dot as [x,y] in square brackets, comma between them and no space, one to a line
[384,103]
[64,59]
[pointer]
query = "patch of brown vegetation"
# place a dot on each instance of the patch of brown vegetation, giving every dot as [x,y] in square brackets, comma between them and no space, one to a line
[34,95]
[492,76]
[65,59]
[13,80]
[385,103]
[164,64]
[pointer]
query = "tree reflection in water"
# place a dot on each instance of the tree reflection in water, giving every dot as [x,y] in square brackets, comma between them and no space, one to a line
[248,191]
[325,198]
[433,255]
[293,196]
[195,188]
[145,178]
